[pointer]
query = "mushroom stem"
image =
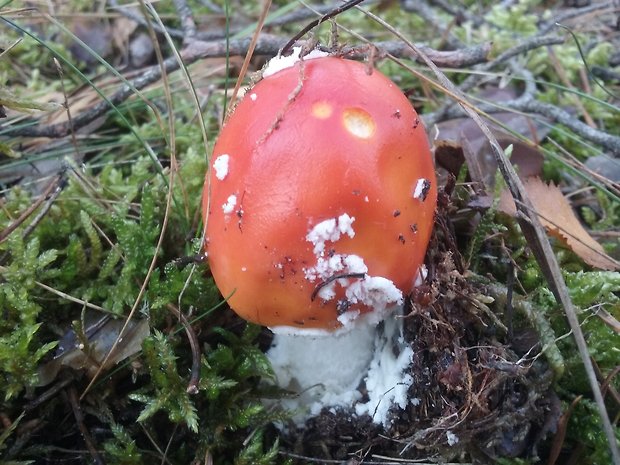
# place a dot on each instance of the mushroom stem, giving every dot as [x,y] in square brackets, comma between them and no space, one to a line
[360,370]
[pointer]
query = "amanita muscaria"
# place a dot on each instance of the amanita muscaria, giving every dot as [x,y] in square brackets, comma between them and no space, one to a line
[318,209]
[320,199]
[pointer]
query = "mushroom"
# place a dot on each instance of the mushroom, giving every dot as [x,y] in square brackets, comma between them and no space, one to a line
[320,203]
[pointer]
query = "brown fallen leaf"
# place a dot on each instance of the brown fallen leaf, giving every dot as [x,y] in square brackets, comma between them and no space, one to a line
[101,333]
[560,435]
[122,28]
[560,221]
[449,155]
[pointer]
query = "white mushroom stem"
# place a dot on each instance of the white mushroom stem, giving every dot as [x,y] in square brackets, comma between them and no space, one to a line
[328,370]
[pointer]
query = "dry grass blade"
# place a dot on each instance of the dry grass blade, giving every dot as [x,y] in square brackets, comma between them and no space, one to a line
[173,170]
[250,52]
[55,182]
[535,235]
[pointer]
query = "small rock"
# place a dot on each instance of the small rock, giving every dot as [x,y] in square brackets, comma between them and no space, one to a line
[141,50]
[605,165]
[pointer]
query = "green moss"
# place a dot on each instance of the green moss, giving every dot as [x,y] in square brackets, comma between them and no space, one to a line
[584,428]
[100,236]
[20,351]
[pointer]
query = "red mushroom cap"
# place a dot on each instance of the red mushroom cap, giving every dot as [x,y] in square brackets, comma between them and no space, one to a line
[320,201]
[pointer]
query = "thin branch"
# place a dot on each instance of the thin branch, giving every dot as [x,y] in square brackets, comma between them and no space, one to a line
[333,13]
[475,19]
[424,11]
[46,207]
[475,79]
[79,419]
[526,103]
[267,45]
[527,45]
[187,19]
[192,385]
[54,183]
[250,53]
[550,25]
[605,140]
[460,58]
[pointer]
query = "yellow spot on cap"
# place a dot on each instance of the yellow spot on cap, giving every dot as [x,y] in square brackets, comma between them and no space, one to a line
[358,122]
[322,110]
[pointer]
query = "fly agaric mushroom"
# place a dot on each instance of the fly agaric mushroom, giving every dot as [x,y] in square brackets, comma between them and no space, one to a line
[320,201]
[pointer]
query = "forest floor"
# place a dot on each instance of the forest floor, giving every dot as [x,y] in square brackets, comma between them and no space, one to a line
[116,345]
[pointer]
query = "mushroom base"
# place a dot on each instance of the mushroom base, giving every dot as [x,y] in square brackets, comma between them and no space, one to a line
[360,371]
[482,393]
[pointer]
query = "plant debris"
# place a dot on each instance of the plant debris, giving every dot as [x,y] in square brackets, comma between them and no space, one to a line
[559,219]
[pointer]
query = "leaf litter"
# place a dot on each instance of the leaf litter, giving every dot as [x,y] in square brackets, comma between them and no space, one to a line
[557,216]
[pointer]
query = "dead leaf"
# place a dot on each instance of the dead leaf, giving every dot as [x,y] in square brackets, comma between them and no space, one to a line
[19,103]
[560,435]
[560,221]
[96,34]
[122,29]
[479,156]
[80,101]
[101,333]
[449,155]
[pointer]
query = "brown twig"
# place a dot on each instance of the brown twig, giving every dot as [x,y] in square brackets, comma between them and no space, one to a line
[195,377]
[607,382]
[333,13]
[564,79]
[46,208]
[267,45]
[528,104]
[79,419]
[50,393]
[54,184]
[527,45]
[192,385]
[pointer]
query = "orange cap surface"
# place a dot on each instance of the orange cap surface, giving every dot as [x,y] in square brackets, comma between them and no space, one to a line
[320,200]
